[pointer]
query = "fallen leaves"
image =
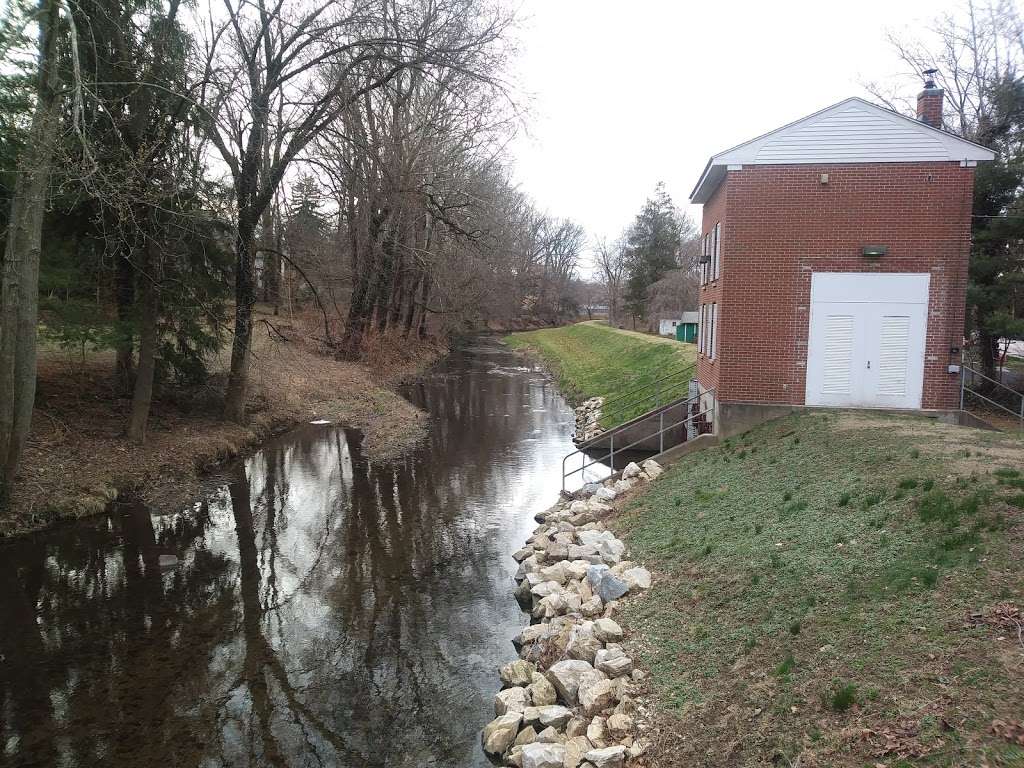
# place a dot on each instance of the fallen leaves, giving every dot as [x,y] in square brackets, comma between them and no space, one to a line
[1011,730]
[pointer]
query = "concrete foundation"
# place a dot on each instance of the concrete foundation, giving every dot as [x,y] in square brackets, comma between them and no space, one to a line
[736,418]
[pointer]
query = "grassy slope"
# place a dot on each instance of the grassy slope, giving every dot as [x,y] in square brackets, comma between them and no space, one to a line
[592,359]
[814,580]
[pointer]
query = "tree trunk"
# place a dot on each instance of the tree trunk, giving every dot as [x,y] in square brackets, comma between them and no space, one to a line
[987,346]
[424,297]
[124,367]
[410,310]
[149,339]
[19,297]
[238,379]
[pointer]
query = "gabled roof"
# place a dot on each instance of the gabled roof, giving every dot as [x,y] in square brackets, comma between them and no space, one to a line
[852,131]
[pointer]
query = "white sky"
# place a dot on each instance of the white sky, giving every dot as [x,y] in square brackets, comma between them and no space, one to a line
[632,92]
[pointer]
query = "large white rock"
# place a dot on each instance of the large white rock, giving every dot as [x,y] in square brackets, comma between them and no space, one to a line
[565,677]
[637,578]
[605,494]
[611,550]
[558,573]
[596,694]
[593,538]
[608,630]
[632,470]
[583,643]
[592,607]
[652,468]
[546,588]
[609,757]
[499,734]
[511,700]
[539,755]
[553,715]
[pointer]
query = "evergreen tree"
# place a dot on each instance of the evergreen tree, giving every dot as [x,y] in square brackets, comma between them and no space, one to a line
[653,245]
[995,296]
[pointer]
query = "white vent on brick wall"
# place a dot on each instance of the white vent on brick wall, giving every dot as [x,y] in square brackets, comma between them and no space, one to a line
[893,355]
[838,356]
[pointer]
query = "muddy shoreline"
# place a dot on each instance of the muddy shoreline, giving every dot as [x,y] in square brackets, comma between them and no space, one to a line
[77,464]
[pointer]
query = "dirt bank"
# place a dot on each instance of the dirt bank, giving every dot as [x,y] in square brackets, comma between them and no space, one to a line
[77,459]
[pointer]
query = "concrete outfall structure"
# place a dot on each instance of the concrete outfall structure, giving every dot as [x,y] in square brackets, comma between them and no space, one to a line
[568,701]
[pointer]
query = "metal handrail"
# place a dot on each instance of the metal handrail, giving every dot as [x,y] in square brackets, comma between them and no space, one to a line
[612,450]
[619,407]
[964,388]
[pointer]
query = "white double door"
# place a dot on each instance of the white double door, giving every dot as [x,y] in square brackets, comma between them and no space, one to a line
[866,341]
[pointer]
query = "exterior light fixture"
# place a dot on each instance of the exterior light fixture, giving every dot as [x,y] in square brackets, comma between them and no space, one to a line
[873,251]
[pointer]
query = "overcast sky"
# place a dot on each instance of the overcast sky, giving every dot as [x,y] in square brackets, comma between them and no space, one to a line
[632,92]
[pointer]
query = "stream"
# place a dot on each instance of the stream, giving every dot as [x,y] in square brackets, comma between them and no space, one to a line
[314,609]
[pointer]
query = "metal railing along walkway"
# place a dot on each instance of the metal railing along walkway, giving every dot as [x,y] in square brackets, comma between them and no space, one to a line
[697,420]
[994,398]
[646,397]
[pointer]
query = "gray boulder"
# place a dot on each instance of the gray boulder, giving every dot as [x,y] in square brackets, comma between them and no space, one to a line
[611,587]
[613,662]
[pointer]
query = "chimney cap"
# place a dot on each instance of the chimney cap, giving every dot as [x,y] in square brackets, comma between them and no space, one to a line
[929,77]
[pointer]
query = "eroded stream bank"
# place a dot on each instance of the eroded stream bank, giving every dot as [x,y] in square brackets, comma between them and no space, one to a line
[324,609]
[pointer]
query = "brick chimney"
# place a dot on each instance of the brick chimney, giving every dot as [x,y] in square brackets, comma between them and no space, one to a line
[929,101]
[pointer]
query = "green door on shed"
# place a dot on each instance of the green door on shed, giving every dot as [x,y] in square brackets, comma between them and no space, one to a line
[686,332]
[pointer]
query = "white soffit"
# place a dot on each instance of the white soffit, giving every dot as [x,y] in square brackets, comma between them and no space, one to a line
[852,131]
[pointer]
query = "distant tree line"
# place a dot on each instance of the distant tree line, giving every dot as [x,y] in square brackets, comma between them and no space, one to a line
[164,167]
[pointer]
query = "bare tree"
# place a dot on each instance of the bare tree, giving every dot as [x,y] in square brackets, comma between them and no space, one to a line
[611,262]
[279,73]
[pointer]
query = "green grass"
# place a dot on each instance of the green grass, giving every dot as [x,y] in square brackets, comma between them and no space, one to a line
[856,545]
[593,360]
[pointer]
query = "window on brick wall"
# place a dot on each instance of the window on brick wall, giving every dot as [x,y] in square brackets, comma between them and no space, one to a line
[702,328]
[716,259]
[705,251]
[713,325]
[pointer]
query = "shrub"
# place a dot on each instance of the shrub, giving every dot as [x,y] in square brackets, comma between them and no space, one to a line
[842,697]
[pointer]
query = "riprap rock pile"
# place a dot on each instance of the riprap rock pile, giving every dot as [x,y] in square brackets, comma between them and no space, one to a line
[567,701]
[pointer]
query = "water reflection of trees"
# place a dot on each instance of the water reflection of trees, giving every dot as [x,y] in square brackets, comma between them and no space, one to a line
[326,611]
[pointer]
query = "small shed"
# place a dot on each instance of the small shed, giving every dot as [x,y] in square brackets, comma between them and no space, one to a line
[683,328]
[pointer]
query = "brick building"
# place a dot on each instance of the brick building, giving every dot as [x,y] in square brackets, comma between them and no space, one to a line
[835,263]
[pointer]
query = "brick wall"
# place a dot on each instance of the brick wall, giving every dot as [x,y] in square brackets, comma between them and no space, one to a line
[781,224]
[714,212]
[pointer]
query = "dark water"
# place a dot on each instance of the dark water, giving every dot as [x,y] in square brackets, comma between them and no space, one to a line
[325,610]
